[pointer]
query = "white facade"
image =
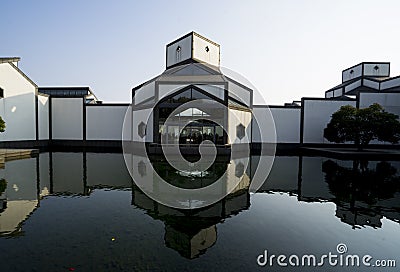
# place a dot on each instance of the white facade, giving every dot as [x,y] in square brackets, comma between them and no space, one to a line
[205,50]
[287,124]
[145,117]
[104,122]
[17,107]
[317,114]
[179,51]
[235,119]
[43,113]
[67,118]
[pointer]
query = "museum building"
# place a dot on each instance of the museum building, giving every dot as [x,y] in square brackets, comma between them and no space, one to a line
[73,116]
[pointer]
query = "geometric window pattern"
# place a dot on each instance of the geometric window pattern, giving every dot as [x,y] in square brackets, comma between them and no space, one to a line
[142,129]
[240,131]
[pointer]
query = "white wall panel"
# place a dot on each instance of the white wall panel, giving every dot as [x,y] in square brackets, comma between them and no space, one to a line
[17,108]
[13,83]
[67,118]
[287,124]
[371,84]
[370,69]
[20,116]
[43,112]
[317,114]
[337,92]
[104,122]
[263,129]
[200,53]
[389,101]
[329,94]
[352,86]
[351,73]
[395,82]
[146,117]
[144,93]
[185,52]
[236,117]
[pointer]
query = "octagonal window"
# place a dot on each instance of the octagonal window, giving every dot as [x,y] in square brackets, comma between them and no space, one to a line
[142,129]
[240,131]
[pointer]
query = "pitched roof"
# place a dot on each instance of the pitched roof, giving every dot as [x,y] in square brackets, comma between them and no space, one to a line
[9,59]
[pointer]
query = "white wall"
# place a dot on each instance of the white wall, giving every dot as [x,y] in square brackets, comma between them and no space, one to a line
[144,93]
[104,122]
[317,114]
[17,108]
[142,116]
[357,72]
[199,52]
[352,86]
[369,69]
[67,118]
[337,92]
[186,50]
[371,84]
[395,82]
[287,124]
[20,116]
[389,101]
[264,126]
[329,94]
[13,82]
[43,112]
[236,117]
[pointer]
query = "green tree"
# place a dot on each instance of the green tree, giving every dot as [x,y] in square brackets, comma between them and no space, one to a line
[2,125]
[361,126]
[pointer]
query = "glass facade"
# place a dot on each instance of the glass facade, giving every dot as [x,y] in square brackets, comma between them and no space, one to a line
[198,128]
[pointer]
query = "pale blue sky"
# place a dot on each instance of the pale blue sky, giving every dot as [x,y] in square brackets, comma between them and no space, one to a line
[287,49]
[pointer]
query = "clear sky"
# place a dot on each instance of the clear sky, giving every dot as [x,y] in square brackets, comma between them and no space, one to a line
[287,49]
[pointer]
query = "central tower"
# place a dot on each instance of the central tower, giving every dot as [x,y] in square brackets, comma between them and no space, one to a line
[192,48]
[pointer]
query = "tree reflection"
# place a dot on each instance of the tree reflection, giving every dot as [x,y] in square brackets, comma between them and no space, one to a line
[361,190]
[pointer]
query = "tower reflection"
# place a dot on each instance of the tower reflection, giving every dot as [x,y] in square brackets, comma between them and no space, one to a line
[192,232]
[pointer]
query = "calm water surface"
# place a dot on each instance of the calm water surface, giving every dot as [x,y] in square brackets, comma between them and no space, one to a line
[81,212]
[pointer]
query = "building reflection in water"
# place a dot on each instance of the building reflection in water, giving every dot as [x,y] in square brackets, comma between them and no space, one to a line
[192,232]
[364,192]
[19,195]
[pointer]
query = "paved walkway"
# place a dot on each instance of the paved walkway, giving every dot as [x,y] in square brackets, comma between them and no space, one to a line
[16,154]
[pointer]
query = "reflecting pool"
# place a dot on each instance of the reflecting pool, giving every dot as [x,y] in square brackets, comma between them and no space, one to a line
[81,212]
